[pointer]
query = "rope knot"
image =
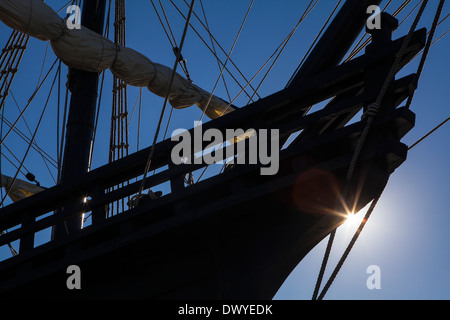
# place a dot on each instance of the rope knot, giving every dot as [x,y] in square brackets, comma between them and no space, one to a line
[372,110]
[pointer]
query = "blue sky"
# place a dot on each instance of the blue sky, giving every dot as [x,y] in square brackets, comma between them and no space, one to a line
[407,234]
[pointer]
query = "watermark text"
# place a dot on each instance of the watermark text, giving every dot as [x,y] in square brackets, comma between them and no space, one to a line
[263,147]
[374,21]
[74,19]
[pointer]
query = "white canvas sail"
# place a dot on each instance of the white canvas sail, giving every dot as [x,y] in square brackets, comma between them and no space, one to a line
[86,50]
[19,189]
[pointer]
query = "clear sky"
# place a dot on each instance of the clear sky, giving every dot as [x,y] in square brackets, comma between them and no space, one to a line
[407,235]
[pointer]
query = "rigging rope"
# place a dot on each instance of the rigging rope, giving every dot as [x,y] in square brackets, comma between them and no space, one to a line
[171,38]
[32,139]
[357,49]
[63,130]
[119,146]
[158,128]
[434,42]
[286,40]
[350,246]
[119,118]
[10,59]
[429,133]
[370,114]
[427,47]
[313,43]
[21,135]
[35,145]
[99,102]
[214,48]
[29,102]
[221,76]
[279,49]
[212,51]
[227,59]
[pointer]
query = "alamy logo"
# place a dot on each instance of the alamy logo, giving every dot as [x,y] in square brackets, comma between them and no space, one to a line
[74,280]
[374,21]
[263,147]
[374,280]
[74,19]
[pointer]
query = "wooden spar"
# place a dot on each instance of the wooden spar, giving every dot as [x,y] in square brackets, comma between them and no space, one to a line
[337,39]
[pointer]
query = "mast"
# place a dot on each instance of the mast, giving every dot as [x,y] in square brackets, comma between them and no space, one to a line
[81,121]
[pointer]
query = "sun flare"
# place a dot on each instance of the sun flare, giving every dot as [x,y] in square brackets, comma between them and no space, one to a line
[352,219]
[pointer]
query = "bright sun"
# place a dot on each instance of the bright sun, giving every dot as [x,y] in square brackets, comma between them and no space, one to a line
[352,220]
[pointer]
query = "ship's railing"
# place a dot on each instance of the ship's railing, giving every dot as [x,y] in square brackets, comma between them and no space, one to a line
[283,110]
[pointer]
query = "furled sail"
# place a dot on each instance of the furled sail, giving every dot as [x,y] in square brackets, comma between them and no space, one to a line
[86,50]
[19,189]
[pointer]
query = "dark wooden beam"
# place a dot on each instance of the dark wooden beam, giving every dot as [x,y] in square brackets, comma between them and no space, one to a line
[337,39]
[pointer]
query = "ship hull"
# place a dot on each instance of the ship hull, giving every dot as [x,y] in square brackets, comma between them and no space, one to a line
[243,245]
